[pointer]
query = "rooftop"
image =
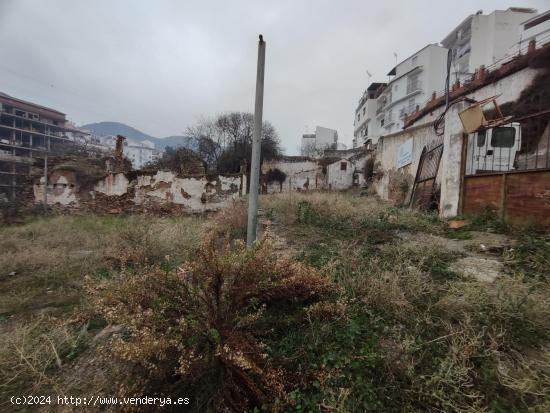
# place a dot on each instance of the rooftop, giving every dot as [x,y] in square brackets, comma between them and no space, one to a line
[26,102]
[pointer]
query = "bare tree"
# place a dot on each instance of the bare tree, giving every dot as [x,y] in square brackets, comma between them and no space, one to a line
[226,141]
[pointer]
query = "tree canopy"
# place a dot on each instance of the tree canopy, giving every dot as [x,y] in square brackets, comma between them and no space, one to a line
[225,141]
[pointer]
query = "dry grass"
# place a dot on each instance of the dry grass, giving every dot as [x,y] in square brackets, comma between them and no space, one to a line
[43,265]
[349,205]
[448,343]
[399,330]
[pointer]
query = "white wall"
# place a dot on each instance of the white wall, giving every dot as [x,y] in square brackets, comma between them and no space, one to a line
[338,179]
[387,153]
[299,175]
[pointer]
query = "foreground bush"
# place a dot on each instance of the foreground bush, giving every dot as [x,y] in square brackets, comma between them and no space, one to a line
[195,332]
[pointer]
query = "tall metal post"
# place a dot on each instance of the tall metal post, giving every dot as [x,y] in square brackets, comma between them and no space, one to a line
[47,144]
[256,145]
[45,179]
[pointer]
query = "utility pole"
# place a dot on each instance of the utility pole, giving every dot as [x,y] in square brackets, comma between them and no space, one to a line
[256,145]
[47,145]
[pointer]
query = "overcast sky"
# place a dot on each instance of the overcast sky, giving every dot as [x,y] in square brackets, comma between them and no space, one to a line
[160,65]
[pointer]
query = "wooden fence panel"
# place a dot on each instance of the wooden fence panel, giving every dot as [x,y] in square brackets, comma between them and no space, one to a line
[520,197]
[482,193]
[527,197]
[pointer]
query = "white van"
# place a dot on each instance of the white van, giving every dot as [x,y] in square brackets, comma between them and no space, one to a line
[493,150]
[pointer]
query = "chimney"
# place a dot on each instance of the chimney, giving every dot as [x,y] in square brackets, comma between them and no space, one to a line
[119,149]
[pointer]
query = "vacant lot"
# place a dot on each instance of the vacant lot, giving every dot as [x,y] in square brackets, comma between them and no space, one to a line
[349,305]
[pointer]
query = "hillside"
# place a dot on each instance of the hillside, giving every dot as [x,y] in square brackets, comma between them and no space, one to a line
[117,128]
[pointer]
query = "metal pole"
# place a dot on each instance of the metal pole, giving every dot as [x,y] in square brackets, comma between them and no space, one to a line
[45,179]
[256,144]
[47,144]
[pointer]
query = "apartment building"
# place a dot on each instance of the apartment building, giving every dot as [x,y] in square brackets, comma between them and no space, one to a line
[365,127]
[535,28]
[484,40]
[27,131]
[313,144]
[411,83]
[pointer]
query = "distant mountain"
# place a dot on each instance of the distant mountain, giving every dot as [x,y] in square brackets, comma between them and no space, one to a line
[117,128]
[176,142]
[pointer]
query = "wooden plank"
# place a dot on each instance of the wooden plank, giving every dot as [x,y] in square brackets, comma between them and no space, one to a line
[482,193]
[528,198]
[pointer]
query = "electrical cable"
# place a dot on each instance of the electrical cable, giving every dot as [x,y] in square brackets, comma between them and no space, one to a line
[439,124]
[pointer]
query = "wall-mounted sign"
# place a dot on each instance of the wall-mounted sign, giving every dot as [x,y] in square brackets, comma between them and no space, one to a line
[404,156]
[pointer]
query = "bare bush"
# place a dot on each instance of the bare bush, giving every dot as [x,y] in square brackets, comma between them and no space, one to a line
[197,328]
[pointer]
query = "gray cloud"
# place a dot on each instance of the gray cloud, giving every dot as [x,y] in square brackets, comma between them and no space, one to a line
[160,65]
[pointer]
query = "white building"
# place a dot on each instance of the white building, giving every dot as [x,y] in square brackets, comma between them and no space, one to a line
[365,127]
[139,153]
[536,28]
[315,144]
[414,80]
[483,40]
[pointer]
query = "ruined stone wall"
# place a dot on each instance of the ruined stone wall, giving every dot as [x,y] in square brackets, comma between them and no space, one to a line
[137,191]
[325,173]
[301,175]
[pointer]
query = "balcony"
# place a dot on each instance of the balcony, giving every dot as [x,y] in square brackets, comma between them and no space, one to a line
[413,86]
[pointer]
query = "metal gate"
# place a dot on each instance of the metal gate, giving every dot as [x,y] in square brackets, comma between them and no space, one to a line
[423,193]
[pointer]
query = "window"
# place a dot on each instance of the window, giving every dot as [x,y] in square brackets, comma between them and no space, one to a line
[481,135]
[503,137]
[413,83]
[343,165]
[358,117]
[364,111]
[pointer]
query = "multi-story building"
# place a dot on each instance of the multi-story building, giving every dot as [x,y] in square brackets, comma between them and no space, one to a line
[313,144]
[27,131]
[365,127]
[412,82]
[483,40]
[139,153]
[535,28]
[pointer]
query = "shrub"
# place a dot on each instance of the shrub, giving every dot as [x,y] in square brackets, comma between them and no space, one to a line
[196,331]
